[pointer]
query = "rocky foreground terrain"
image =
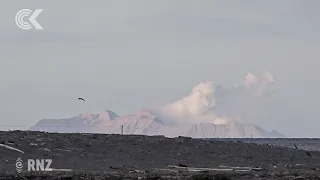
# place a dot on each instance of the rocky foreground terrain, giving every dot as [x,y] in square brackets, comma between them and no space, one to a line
[103,156]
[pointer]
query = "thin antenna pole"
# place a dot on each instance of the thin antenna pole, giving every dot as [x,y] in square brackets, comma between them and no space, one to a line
[121,129]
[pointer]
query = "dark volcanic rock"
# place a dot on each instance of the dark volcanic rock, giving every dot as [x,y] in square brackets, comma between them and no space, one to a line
[142,156]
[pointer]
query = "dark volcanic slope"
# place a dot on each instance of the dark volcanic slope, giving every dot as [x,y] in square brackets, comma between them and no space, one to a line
[309,144]
[93,152]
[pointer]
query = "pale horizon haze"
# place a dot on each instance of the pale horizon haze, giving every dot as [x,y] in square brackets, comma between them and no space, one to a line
[124,55]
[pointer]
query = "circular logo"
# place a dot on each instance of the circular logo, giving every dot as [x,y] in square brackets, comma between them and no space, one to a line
[23,13]
[19,165]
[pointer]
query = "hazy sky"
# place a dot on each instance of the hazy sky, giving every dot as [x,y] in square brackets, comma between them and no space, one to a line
[124,55]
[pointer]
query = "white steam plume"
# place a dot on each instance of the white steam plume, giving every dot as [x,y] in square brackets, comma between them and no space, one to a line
[216,104]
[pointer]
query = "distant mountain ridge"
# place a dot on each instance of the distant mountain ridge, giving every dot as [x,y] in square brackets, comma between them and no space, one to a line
[194,116]
[147,123]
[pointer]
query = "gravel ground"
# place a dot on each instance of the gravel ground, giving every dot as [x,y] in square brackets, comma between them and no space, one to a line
[103,156]
[309,144]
